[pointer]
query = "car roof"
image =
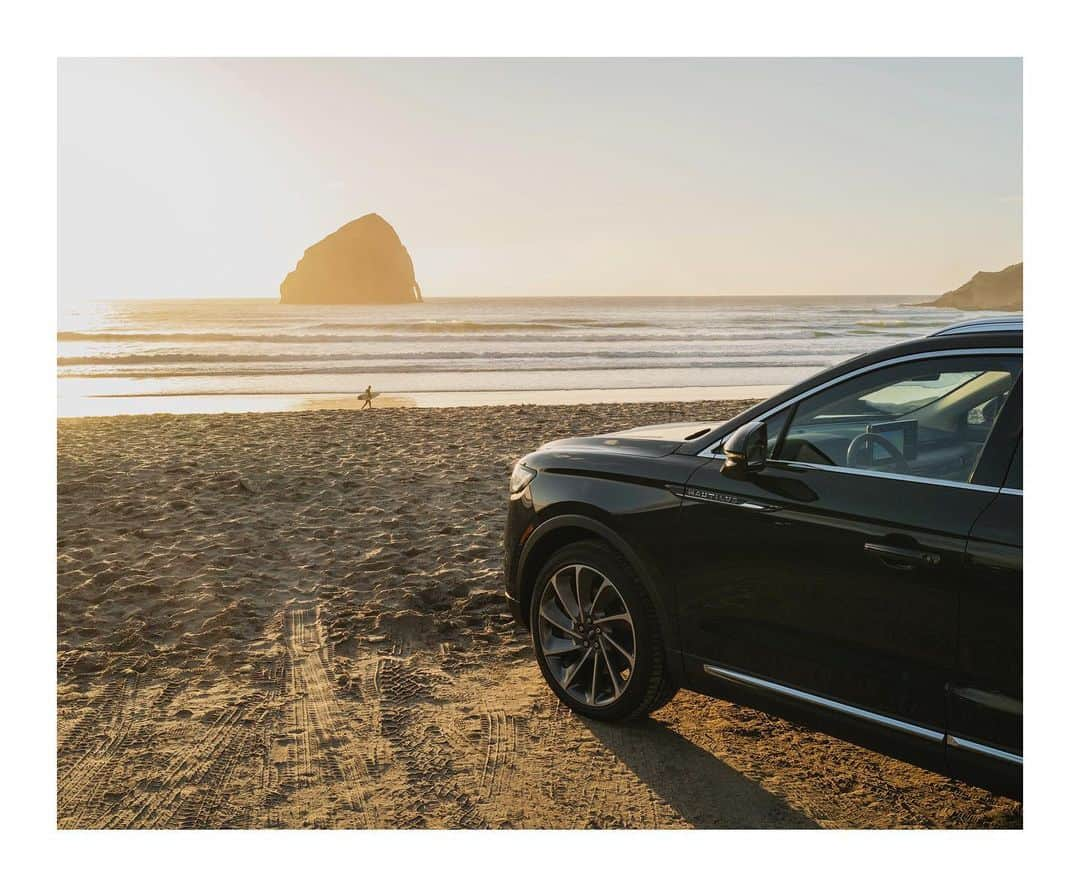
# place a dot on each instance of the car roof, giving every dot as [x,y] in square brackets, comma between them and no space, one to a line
[1007,323]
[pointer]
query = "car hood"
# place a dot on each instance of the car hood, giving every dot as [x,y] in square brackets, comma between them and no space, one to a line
[648,440]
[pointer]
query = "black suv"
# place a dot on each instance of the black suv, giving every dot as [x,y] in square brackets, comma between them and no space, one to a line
[846,553]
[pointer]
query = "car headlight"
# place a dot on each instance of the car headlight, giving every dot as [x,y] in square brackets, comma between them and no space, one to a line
[520,477]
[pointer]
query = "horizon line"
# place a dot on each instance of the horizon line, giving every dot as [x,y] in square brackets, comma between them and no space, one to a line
[434,298]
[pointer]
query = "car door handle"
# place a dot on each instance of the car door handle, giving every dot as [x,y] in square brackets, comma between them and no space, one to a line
[903,559]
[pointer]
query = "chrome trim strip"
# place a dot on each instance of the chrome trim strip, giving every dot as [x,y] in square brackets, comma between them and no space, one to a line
[1008,491]
[709,451]
[964,745]
[907,478]
[850,710]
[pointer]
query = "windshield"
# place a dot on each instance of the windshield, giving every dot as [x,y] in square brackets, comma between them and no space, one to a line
[911,394]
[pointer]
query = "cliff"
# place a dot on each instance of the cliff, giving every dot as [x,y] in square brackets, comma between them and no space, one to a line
[361,263]
[987,291]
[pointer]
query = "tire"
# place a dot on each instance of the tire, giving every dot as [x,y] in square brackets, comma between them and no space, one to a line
[615,611]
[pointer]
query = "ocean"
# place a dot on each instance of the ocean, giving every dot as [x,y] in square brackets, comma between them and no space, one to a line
[214,355]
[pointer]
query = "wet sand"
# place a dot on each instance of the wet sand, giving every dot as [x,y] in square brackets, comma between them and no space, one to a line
[75,405]
[295,620]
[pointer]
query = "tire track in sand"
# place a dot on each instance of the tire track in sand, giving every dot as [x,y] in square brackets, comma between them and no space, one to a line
[439,786]
[96,742]
[500,749]
[222,739]
[320,739]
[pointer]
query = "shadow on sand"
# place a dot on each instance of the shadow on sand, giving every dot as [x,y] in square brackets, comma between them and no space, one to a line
[706,792]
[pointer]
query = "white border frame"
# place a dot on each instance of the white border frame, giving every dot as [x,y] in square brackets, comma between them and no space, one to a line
[1041,32]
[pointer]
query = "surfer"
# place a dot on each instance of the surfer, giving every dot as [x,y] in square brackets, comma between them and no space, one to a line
[367,397]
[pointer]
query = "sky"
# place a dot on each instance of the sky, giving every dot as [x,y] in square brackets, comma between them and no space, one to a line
[208,178]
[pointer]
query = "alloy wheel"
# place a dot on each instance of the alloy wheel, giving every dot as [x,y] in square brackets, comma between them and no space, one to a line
[587,635]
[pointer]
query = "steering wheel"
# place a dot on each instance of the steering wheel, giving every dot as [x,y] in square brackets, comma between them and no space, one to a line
[863,444]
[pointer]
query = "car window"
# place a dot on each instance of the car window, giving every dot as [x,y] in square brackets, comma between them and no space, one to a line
[926,418]
[774,425]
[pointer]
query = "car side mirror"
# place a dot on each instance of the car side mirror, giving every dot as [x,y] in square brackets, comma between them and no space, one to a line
[745,450]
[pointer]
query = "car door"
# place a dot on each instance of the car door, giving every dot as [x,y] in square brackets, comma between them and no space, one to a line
[832,571]
[986,691]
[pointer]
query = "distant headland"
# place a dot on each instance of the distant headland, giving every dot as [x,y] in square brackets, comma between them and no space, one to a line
[987,291]
[361,263]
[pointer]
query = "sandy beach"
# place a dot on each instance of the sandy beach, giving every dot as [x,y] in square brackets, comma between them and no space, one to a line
[296,620]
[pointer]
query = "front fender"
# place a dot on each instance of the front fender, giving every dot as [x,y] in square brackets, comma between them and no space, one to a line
[652,578]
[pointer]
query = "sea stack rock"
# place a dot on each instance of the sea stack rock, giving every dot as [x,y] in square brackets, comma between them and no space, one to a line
[988,291]
[361,263]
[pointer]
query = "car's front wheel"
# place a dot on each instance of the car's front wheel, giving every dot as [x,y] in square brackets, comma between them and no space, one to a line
[596,635]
